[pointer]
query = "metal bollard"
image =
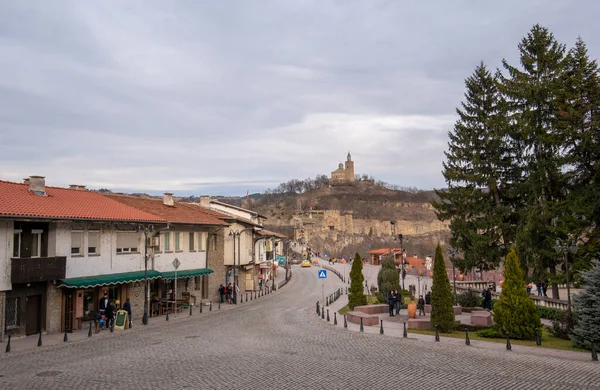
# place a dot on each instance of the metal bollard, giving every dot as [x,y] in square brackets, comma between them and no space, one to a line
[40,340]
[255,294]
[210,306]
[508,346]
[241,298]
[326,301]
[467,341]
[7,345]
[201,304]
[345,322]
[219,307]
[191,307]
[246,297]
[66,338]
[112,326]
[437,335]
[323,314]
[167,317]
[381,327]
[538,340]
[335,318]
[90,331]
[327,315]
[362,329]
[318,307]
[594,354]
[405,334]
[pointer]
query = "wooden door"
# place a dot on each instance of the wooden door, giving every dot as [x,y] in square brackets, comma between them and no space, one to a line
[69,311]
[34,306]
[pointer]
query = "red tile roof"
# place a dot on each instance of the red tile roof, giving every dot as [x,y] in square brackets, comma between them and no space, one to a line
[178,213]
[381,251]
[17,201]
[268,233]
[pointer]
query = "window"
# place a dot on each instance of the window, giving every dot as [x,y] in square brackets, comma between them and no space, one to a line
[166,241]
[93,243]
[202,241]
[12,312]
[17,243]
[127,242]
[36,243]
[192,241]
[77,243]
[212,242]
[177,235]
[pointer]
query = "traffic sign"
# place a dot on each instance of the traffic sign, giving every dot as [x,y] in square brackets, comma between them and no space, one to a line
[176,263]
[322,274]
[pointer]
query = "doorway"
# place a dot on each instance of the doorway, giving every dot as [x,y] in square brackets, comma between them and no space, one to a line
[33,309]
[69,312]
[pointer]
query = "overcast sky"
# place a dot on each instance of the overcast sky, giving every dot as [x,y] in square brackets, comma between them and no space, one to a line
[220,97]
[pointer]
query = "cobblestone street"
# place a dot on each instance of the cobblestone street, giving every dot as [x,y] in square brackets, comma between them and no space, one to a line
[277,342]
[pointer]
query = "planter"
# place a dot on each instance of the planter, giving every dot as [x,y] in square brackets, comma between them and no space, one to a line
[412,310]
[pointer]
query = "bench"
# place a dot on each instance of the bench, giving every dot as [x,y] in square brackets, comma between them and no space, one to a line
[368,319]
[419,323]
[373,309]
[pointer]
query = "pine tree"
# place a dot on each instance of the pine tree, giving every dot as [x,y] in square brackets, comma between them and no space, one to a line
[388,279]
[442,312]
[534,91]
[515,312]
[587,310]
[356,294]
[478,173]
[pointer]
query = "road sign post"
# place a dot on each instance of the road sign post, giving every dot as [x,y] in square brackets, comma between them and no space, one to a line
[322,275]
[176,263]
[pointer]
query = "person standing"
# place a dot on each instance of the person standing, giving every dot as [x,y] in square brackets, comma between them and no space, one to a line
[487,301]
[127,308]
[421,305]
[390,299]
[109,313]
[103,303]
[222,293]
[398,302]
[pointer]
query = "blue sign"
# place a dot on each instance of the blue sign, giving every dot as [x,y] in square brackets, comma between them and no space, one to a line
[322,274]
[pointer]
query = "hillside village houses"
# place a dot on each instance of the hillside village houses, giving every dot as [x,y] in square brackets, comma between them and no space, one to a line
[61,249]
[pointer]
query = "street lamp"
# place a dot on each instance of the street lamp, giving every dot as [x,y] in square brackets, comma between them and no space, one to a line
[559,247]
[403,274]
[146,230]
[274,264]
[453,252]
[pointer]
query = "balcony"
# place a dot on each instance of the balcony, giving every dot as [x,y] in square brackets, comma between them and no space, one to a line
[38,269]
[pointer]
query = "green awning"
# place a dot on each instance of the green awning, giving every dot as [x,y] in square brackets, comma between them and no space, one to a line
[188,273]
[103,280]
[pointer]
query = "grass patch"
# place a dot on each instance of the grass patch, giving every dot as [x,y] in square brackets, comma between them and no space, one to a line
[548,341]
[371,300]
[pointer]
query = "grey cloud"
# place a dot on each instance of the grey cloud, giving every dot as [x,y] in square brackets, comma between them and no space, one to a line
[218,96]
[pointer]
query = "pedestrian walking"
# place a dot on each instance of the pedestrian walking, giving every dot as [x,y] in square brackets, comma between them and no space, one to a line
[421,305]
[127,308]
[222,293]
[109,314]
[391,302]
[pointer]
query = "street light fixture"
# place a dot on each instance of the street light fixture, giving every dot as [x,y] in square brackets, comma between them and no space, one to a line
[453,252]
[403,273]
[146,230]
[559,247]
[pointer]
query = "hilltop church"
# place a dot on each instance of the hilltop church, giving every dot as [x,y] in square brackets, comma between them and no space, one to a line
[343,175]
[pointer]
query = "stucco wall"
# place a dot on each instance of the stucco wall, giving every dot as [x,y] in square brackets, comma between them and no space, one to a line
[6,233]
[215,262]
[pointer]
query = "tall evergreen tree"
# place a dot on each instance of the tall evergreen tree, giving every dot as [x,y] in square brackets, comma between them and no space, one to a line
[388,279]
[479,172]
[534,92]
[580,115]
[442,312]
[356,294]
[515,312]
[587,309]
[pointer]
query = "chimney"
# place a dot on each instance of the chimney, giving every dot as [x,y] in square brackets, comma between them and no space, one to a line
[168,199]
[77,187]
[205,201]
[37,185]
[26,180]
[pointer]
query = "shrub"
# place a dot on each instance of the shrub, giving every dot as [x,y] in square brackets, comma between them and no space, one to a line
[515,312]
[587,309]
[356,293]
[562,326]
[442,312]
[550,313]
[387,279]
[491,333]
[469,298]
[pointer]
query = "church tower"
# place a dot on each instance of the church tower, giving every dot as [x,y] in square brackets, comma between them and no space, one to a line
[349,171]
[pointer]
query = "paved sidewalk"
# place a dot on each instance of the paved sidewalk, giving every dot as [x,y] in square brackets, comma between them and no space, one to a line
[394,327]
[78,336]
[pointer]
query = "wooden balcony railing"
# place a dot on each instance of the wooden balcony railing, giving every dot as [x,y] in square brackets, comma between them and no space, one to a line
[38,269]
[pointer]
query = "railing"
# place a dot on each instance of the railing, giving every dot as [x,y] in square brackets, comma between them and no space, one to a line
[539,301]
[38,269]
[339,275]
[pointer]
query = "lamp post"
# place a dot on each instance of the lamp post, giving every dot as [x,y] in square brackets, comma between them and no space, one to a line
[453,252]
[274,264]
[564,248]
[146,230]
[403,274]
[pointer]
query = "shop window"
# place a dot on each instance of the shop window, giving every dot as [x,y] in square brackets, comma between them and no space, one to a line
[76,243]
[177,239]
[36,243]
[17,243]
[127,242]
[93,247]
[192,241]
[12,312]
[89,301]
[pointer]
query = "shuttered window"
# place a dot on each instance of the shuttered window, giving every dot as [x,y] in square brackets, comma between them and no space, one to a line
[127,242]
